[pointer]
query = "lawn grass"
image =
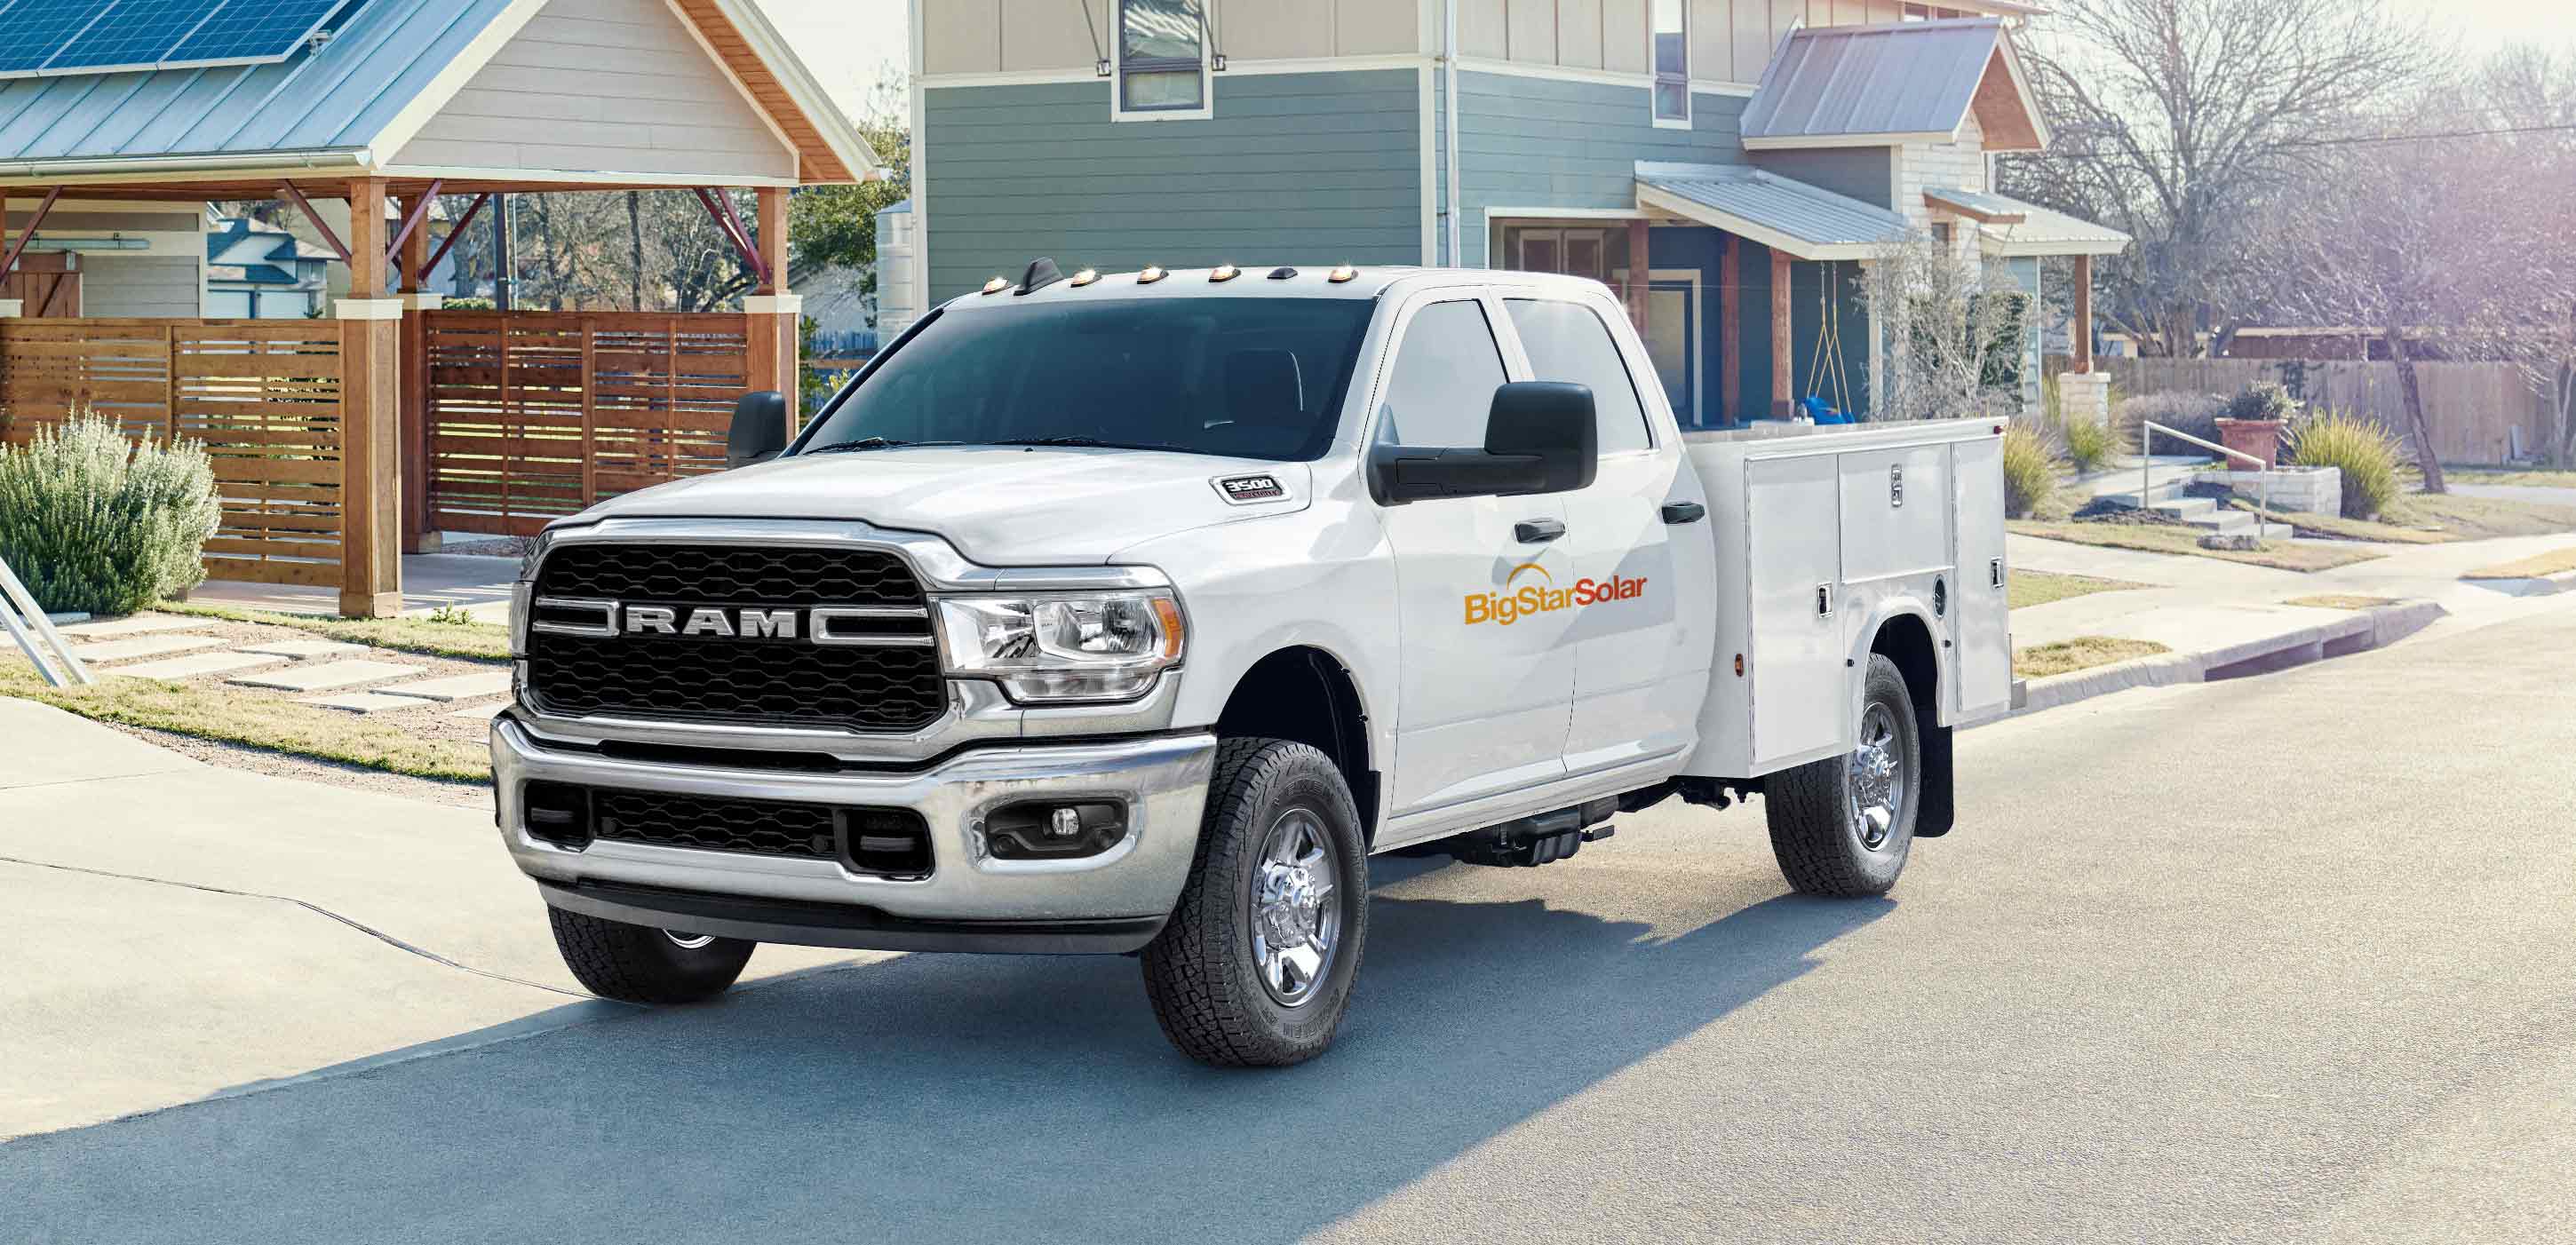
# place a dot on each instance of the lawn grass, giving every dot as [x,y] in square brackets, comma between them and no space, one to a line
[2027,588]
[2434,519]
[2341,601]
[2554,562]
[471,641]
[258,720]
[2039,661]
[2527,479]
[2169,538]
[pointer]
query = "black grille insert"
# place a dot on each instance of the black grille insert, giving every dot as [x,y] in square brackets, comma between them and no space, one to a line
[798,683]
[885,842]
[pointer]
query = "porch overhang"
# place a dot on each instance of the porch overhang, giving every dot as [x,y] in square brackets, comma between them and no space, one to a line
[1788,216]
[2028,230]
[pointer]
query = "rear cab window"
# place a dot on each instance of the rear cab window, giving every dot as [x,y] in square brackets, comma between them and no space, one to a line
[1567,342]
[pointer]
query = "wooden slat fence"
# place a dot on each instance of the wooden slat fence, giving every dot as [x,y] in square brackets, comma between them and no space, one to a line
[2474,408]
[263,396]
[536,415]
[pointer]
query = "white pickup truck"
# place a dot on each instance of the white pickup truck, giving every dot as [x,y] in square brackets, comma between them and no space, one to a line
[1133,613]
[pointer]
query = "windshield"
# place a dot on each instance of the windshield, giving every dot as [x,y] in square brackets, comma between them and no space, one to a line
[1243,377]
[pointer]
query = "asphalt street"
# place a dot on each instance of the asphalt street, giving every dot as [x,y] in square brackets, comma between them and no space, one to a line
[2281,958]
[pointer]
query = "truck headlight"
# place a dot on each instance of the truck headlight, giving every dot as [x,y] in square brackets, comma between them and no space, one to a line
[1055,647]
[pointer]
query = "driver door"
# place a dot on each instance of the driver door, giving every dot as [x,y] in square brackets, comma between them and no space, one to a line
[1486,687]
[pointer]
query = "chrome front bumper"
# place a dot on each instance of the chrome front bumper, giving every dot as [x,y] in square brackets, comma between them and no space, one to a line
[1115,901]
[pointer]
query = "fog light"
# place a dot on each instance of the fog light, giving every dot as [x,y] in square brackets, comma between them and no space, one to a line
[1052,831]
[558,813]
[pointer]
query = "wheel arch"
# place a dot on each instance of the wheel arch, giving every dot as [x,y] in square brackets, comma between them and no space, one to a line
[1308,695]
[1910,642]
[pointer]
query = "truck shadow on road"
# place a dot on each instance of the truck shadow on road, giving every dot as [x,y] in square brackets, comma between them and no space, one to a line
[936,1098]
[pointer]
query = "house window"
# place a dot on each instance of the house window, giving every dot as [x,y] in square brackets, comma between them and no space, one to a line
[1162,57]
[1672,63]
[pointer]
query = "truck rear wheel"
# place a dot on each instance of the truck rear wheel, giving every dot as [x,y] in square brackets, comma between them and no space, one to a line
[1255,967]
[641,964]
[1844,825]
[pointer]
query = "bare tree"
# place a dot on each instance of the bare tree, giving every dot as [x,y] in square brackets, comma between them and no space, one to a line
[2190,125]
[1953,330]
[2521,248]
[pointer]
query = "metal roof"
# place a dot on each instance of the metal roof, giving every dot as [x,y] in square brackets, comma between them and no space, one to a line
[1993,209]
[1808,222]
[2043,232]
[336,98]
[1892,82]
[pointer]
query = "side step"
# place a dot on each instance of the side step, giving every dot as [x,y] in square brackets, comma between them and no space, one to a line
[1533,841]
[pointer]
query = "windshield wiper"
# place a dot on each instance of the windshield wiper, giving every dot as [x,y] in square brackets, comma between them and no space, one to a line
[864,444]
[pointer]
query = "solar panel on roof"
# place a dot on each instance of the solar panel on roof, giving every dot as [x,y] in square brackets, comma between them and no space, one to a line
[106,36]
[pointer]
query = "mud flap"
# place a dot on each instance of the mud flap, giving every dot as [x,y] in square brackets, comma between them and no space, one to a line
[1934,818]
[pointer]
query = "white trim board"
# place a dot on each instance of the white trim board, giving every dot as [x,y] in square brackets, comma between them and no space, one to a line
[452,77]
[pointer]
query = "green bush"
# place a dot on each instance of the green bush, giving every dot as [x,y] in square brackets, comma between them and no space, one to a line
[2362,450]
[2090,443]
[2263,400]
[96,523]
[2030,470]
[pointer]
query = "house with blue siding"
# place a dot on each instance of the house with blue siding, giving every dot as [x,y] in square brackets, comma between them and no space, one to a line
[1729,166]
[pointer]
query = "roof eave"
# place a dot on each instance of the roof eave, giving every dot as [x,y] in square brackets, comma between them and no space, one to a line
[1799,142]
[1719,218]
[802,88]
[228,165]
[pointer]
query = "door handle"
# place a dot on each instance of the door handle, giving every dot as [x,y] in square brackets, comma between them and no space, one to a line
[1677,512]
[1537,531]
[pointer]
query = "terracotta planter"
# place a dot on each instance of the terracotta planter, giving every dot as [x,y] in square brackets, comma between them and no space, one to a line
[2258,437]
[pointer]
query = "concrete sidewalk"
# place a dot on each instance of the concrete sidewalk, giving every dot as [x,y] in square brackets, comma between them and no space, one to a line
[199,930]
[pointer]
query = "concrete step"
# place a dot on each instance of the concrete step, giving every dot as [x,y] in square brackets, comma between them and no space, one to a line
[2188,509]
[2222,521]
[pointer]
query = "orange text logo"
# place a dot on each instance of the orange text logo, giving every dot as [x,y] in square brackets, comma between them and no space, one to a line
[1514,604]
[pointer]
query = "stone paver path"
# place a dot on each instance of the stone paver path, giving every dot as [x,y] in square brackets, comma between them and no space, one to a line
[482,712]
[458,687]
[364,702]
[329,676]
[302,650]
[192,666]
[140,624]
[143,646]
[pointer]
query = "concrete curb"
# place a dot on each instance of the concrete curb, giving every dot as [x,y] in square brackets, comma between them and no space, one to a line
[2365,630]
[2539,586]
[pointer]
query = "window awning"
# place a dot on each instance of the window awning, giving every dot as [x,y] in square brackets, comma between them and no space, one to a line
[1806,222]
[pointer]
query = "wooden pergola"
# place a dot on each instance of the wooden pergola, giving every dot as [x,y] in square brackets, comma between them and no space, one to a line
[341,444]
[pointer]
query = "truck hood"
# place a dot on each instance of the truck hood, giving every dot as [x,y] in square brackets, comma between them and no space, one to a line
[999,505]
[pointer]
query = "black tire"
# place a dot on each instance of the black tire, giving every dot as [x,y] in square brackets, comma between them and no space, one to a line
[1202,972]
[641,964]
[1823,843]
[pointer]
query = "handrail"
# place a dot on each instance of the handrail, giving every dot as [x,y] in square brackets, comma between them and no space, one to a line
[36,630]
[2147,429]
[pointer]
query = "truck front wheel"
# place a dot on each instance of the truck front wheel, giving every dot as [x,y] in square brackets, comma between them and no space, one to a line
[1844,825]
[1254,968]
[641,964]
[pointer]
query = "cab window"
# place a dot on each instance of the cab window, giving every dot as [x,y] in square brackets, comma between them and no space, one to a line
[1568,342]
[1442,386]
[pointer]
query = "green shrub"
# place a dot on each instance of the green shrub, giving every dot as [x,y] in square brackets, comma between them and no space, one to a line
[2090,443]
[2195,414]
[2263,400]
[2366,454]
[2030,470]
[96,523]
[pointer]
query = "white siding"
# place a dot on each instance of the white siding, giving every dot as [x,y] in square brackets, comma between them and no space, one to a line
[1048,36]
[1958,165]
[604,86]
[139,286]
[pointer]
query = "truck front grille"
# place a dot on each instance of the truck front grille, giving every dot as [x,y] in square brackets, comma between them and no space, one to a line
[886,687]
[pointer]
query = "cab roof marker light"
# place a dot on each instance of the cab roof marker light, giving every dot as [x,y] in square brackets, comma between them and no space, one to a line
[1152,274]
[997,285]
[1085,277]
[1224,272]
[1282,274]
[1342,273]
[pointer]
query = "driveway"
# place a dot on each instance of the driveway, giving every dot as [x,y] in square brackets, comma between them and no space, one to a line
[2279,958]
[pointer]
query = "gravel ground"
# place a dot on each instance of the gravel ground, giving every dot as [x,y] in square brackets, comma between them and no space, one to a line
[283,765]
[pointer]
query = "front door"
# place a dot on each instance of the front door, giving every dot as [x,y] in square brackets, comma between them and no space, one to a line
[1486,685]
[1640,665]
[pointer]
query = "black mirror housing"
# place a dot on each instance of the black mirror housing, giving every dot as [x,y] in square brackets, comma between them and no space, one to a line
[1552,422]
[759,430]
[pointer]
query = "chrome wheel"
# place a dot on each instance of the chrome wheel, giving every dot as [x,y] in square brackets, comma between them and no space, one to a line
[1877,777]
[1296,921]
[688,942]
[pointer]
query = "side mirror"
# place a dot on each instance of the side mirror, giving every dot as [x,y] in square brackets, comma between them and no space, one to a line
[1539,438]
[1551,422]
[759,429]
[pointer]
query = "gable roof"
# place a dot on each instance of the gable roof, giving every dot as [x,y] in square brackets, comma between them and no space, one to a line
[1809,222]
[1894,82]
[346,106]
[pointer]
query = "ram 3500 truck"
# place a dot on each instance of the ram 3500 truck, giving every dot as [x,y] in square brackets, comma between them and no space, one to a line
[1134,613]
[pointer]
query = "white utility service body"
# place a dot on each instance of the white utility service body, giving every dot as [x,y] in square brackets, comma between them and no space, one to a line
[1132,613]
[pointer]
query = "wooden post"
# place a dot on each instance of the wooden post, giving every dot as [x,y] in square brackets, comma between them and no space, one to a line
[1784,401]
[1730,319]
[1640,274]
[2080,334]
[773,317]
[370,417]
[419,532]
